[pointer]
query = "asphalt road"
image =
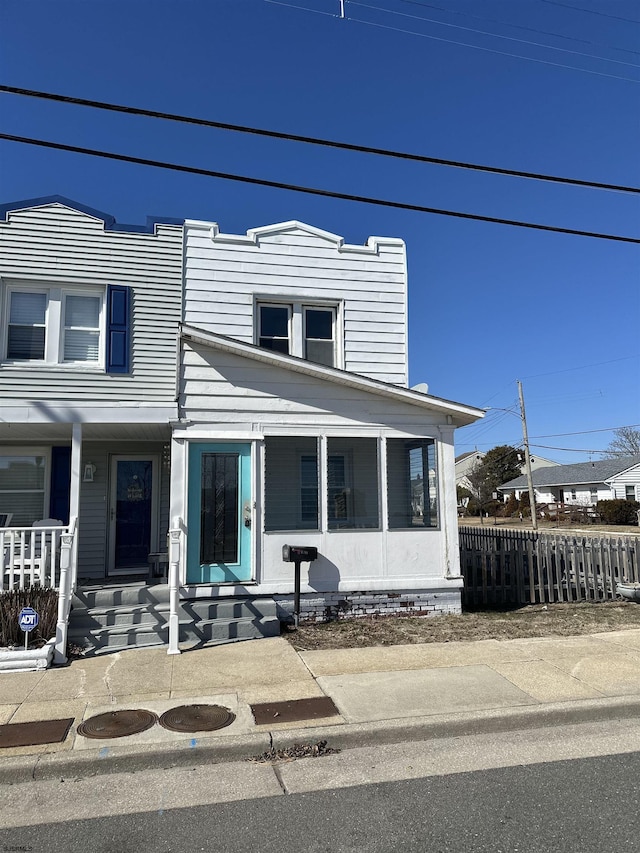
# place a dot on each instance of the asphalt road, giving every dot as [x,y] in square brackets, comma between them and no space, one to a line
[581,806]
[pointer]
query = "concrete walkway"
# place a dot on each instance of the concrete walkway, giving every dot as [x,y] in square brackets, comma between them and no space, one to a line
[383,695]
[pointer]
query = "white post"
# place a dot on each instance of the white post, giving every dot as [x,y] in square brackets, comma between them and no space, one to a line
[67,547]
[175,538]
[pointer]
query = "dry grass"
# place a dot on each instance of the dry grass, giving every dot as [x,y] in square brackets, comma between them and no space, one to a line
[530,621]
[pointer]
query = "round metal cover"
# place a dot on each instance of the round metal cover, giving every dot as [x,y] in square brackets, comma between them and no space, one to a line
[117,724]
[197,718]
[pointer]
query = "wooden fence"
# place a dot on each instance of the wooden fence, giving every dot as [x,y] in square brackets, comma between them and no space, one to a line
[523,567]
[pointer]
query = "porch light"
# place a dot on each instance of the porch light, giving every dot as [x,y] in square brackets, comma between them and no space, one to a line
[89,471]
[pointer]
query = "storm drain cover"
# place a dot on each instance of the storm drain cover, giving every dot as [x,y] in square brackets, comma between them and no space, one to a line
[197,718]
[117,724]
[34,734]
[294,710]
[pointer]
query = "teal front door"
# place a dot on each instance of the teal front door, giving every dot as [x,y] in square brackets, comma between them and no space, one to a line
[220,516]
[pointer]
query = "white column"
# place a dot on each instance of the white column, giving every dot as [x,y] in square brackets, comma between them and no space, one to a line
[76,462]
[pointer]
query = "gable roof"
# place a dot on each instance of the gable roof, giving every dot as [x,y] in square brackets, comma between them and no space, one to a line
[460,414]
[109,221]
[572,475]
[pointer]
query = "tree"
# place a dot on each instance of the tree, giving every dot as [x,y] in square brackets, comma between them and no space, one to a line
[625,443]
[498,466]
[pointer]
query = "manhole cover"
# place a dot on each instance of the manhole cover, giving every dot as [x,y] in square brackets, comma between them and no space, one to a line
[117,724]
[197,718]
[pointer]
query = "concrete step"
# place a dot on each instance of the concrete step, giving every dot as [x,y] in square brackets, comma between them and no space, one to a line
[119,617]
[114,595]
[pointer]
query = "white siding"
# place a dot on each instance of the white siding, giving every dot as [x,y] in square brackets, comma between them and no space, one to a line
[94,500]
[223,277]
[228,390]
[630,477]
[57,245]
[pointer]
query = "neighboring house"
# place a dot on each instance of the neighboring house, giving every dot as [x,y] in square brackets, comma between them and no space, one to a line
[251,389]
[90,312]
[584,483]
[466,462]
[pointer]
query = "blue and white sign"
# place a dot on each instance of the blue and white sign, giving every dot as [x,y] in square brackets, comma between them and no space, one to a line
[28,619]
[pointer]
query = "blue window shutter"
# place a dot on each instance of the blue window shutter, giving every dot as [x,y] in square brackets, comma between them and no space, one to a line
[118,329]
[60,483]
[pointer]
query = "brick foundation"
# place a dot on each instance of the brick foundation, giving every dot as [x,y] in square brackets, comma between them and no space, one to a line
[323,607]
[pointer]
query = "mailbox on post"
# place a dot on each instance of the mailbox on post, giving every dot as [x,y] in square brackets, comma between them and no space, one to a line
[297,554]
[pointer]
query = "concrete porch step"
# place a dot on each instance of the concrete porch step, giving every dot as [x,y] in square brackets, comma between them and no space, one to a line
[105,619]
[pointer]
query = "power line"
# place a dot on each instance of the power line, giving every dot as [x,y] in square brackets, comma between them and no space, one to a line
[582,367]
[585,431]
[517,26]
[143,161]
[312,140]
[493,50]
[493,35]
[590,11]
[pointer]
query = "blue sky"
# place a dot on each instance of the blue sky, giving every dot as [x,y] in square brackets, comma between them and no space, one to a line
[488,304]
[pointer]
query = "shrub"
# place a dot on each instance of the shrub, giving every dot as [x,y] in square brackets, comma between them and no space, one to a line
[44,602]
[512,505]
[619,511]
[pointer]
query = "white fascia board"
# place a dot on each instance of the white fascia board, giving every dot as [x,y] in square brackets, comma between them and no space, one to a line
[115,413]
[458,411]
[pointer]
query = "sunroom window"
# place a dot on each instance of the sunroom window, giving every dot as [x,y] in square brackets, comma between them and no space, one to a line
[412,483]
[352,483]
[291,483]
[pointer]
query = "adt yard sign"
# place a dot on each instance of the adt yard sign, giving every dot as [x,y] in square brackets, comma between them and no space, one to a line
[27,620]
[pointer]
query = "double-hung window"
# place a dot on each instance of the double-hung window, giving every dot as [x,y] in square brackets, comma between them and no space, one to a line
[69,325]
[306,331]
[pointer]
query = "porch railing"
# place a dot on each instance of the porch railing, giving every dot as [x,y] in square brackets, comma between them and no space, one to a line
[43,556]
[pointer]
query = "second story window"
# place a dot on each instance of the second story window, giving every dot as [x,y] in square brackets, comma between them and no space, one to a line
[306,331]
[67,326]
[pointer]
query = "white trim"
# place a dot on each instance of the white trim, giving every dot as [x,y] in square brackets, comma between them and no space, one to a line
[253,235]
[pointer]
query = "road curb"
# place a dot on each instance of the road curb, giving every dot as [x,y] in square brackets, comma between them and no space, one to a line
[73,764]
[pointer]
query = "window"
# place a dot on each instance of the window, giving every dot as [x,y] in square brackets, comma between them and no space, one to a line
[630,493]
[411,483]
[352,483]
[54,326]
[291,483]
[68,325]
[306,331]
[81,328]
[23,483]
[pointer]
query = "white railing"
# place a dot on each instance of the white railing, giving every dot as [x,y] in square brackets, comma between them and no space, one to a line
[175,548]
[31,555]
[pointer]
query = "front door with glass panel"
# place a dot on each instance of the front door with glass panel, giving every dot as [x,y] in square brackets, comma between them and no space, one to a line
[132,513]
[220,514]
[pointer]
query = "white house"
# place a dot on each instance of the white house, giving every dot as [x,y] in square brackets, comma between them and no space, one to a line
[294,378]
[466,462]
[583,483]
[241,392]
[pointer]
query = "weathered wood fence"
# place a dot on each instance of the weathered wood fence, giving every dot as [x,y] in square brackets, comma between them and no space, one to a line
[523,567]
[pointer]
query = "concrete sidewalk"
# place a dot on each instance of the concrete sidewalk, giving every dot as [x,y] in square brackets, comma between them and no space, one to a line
[383,695]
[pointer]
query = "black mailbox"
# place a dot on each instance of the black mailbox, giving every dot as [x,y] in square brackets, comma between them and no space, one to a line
[298,554]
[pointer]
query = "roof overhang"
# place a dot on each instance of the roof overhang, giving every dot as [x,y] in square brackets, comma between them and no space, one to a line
[457,414]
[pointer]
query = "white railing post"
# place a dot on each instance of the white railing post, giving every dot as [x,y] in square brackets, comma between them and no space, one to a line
[175,542]
[65,590]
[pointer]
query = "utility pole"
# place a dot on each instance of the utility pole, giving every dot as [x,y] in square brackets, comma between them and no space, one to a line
[527,459]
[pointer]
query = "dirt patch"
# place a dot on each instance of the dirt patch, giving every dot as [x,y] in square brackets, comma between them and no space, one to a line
[531,621]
